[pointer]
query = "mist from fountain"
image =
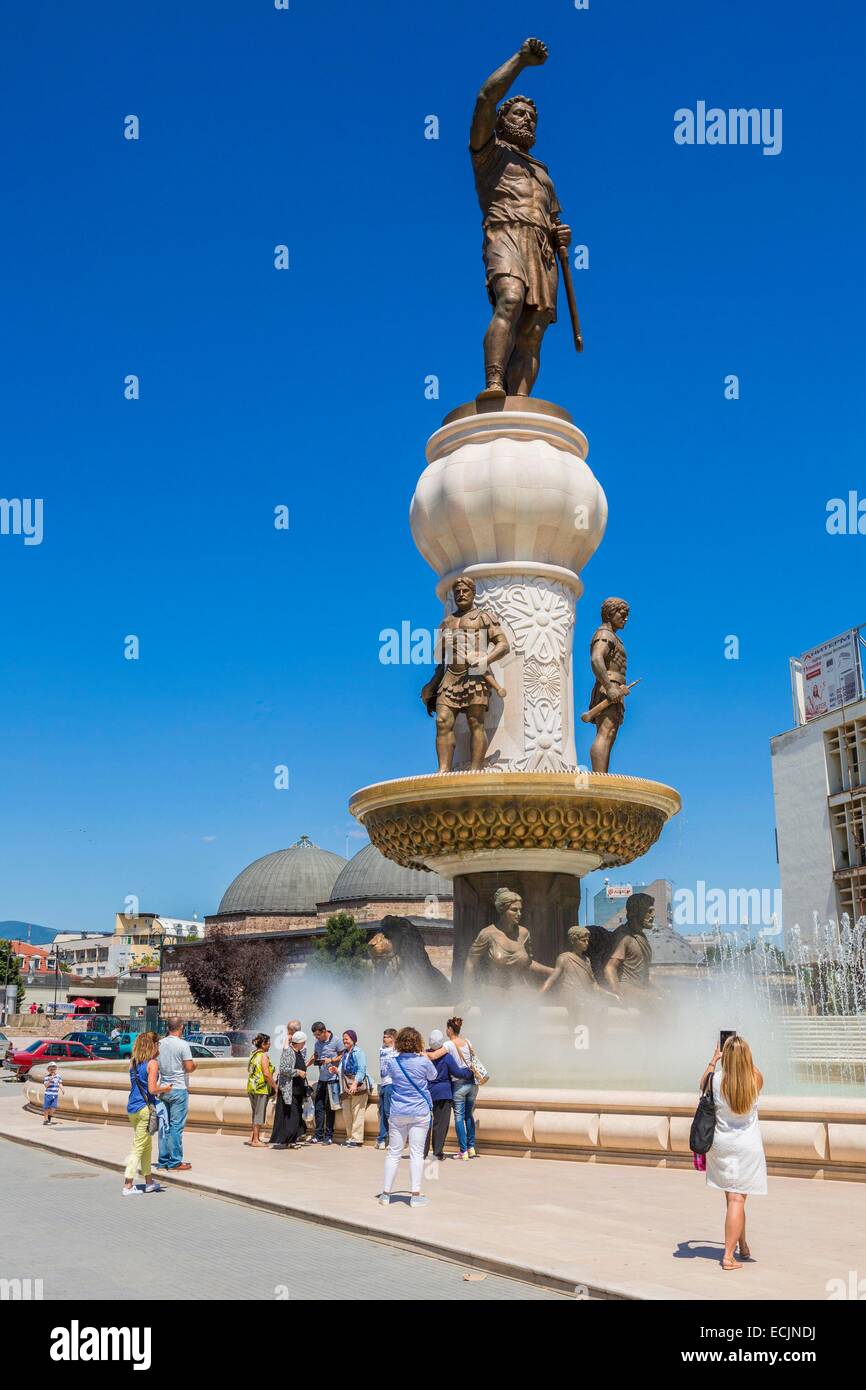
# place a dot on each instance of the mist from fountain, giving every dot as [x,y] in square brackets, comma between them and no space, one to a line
[753,989]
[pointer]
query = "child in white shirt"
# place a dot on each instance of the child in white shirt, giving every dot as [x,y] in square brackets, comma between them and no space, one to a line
[53,1090]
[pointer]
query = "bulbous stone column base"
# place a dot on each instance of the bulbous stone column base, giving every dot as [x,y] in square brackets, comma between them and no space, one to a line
[508,499]
[550,906]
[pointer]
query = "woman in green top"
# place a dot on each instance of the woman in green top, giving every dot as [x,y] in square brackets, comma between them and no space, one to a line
[260,1086]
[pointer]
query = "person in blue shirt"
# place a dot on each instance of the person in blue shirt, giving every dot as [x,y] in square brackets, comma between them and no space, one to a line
[144,1089]
[327,1052]
[411,1073]
[385,1083]
[441,1092]
[354,1089]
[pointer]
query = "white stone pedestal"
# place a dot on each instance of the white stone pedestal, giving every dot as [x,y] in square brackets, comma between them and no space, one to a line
[508,498]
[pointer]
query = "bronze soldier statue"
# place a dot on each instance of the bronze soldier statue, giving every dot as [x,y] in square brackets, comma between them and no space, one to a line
[627,968]
[522,232]
[469,640]
[608,660]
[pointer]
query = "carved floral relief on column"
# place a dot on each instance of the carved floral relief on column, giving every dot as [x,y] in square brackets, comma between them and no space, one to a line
[539,614]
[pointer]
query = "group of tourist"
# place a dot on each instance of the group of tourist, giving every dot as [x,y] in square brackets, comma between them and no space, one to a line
[420,1088]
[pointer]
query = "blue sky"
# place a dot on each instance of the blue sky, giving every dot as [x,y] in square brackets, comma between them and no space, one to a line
[259,647]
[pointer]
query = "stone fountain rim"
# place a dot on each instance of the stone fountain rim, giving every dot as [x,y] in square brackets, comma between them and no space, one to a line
[440,786]
[113,1075]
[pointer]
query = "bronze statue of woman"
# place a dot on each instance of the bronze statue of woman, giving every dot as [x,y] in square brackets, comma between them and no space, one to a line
[501,954]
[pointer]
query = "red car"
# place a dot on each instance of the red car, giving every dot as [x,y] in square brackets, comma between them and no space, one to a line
[36,1054]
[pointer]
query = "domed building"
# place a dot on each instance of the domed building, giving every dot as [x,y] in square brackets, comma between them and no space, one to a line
[292,893]
[372,886]
[280,891]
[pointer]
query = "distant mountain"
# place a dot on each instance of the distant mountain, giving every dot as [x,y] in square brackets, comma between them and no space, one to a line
[27,931]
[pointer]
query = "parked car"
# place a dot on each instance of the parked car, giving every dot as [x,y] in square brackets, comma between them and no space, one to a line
[5,1047]
[219,1044]
[199,1050]
[124,1044]
[99,1044]
[241,1040]
[43,1050]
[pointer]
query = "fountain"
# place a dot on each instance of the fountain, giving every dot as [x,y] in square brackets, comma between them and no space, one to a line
[507,512]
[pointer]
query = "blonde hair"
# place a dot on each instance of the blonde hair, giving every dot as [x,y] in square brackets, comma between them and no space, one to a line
[739,1086]
[145,1048]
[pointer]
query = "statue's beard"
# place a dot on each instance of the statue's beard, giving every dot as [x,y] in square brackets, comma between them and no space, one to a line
[519,133]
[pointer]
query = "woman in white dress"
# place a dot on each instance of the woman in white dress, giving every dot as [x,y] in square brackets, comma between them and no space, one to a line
[736,1164]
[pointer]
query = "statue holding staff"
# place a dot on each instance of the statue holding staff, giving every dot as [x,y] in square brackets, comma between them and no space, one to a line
[522,233]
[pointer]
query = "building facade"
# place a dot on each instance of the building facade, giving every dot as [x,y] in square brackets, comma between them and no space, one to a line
[819,789]
[34,962]
[141,935]
[606,904]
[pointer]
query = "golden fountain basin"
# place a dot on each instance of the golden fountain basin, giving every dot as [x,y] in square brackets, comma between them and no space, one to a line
[472,822]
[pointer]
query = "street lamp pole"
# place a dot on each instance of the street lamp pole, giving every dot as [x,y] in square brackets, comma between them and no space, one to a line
[6,981]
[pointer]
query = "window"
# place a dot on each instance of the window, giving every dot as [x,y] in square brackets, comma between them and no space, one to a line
[76,1050]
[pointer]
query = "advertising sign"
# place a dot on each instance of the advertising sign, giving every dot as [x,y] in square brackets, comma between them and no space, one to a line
[827,677]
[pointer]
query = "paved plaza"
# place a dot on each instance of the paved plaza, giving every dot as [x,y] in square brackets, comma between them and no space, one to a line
[604,1230]
[84,1241]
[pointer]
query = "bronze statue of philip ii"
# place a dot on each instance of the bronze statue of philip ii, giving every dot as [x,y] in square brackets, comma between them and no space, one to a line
[523,236]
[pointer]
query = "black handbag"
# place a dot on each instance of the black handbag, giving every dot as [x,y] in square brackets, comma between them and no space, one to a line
[703,1129]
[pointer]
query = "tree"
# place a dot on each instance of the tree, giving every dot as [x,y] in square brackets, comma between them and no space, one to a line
[343,948]
[231,977]
[10,972]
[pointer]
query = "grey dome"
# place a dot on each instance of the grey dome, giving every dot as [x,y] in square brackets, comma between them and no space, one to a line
[670,948]
[370,875]
[289,880]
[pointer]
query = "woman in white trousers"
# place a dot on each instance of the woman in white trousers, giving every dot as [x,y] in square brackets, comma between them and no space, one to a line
[410,1072]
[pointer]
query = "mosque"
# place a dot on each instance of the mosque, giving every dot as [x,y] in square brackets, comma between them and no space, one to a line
[291,893]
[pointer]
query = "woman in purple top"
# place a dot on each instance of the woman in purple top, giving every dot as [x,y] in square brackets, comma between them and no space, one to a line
[448,1072]
[411,1108]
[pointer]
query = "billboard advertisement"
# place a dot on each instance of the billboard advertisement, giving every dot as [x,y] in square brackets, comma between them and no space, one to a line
[827,677]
